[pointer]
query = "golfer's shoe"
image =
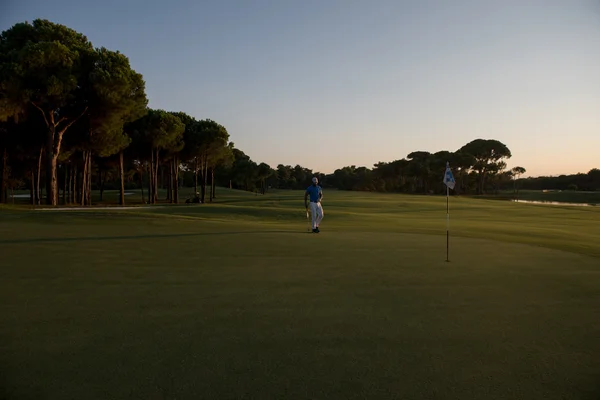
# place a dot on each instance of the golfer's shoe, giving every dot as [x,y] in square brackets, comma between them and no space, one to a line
[316,230]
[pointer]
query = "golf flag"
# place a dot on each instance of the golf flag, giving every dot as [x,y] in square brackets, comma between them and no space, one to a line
[449,182]
[448,177]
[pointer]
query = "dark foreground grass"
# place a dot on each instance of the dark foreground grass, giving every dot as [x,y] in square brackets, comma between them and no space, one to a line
[235,300]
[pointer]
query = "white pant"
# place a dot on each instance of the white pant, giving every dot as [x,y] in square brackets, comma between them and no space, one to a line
[316,212]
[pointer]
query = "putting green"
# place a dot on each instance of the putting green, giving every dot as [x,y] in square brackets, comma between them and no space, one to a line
[169,303]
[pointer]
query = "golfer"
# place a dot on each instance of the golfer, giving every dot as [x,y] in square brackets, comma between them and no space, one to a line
[316,211]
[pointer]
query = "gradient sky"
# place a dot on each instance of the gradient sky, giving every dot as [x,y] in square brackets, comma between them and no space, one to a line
[329,83]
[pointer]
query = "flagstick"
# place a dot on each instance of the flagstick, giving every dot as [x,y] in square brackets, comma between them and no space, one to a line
[447,224]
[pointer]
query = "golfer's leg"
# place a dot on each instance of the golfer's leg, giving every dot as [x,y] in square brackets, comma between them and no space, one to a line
[313,214]
[320,214]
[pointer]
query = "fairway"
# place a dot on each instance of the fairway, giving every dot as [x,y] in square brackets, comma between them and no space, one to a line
[236,300]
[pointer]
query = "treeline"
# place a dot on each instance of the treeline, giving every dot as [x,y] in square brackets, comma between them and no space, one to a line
[75,118]
[478,167]
[475,172]
[581,181]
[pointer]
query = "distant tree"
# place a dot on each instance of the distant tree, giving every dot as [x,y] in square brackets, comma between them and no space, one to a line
[213,146]
[155,135]
[244,171]
[222,158]
[4,160]
[594,179]
[120,97]
[487,154]
[115,95]
[463,162]
[516,174]
[192,150]
[264,171]
[353,178]
[219,153]
[419,169]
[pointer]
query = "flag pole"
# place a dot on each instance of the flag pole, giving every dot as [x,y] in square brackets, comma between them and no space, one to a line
[447,224]
[449,182]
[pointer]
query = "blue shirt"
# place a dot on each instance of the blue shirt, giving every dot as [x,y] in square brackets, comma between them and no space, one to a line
[314,192]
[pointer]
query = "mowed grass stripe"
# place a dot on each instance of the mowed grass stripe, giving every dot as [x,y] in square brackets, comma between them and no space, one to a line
[568,228]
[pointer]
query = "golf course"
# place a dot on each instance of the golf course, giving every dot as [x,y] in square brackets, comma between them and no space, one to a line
[236,299]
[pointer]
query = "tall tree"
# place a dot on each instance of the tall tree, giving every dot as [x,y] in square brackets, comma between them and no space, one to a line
[222,157]
[213,139]
[488,153]
[3,159]
[516,174]
[191,151]
[462,163]
[44,64]
[264,171]
[117,97]
[420,169]
[166,135]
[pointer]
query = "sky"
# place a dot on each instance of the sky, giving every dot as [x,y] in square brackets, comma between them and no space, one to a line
[331,83]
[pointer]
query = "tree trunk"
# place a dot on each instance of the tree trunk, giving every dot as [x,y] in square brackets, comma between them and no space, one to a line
[39,174]
[101,183]
[482,183]
[3,170]
[142,182]
[170,182]
[64,196]
[150,181]
[205,183]
[49,158]
[89,180]
[52,191]
[122,179]
[83,180]
[162,176]
[53,145]
[156,162]
[70,194]
[53,141]
[75,189]
[176,180]
[195,175]
[212,184]
[85,187]
[204,180]
[32,194]
[151,178]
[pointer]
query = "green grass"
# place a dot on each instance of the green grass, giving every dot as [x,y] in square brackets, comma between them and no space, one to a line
[236,300]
